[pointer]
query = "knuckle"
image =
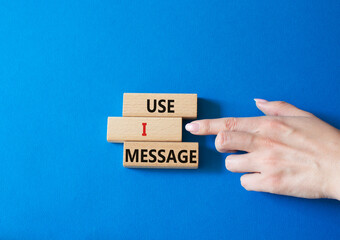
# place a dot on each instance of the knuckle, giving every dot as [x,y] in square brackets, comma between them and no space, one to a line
[273,183]
[205,126]
[269,143]
[244,182]
[219,141]
[275,123]
[251,142]
[230,123]
[297,134]
[252,139]
[271,162]
[279,126]
[281,103]
[288,131]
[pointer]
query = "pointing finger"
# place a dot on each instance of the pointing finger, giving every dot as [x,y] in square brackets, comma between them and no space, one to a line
[213,126]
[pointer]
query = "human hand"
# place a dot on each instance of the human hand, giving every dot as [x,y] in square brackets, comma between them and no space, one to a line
[289,151]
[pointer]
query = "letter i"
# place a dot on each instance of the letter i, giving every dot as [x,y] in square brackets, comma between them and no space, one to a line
[144,129]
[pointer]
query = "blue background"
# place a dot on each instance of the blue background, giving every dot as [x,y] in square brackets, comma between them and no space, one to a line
[64,66]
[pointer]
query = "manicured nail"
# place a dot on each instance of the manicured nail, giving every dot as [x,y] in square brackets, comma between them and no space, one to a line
[228,163]
[192,127]
[259,100]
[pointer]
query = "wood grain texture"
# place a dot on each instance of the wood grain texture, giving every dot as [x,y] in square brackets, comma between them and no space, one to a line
[161,155]
[167,105]
[120,129]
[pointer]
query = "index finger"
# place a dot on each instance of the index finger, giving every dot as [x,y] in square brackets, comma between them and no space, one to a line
[213,126]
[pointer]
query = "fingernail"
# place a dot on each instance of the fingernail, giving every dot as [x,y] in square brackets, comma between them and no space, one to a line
[228,162]
[192,127]
[259,100]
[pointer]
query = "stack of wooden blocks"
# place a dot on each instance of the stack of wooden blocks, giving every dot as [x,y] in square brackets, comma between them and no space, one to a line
[151,130]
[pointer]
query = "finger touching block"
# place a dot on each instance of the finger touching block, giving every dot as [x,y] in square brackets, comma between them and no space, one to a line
[160,105]
[160,155]
[120,129]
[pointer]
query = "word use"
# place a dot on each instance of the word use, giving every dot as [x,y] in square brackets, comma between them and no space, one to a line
[160,105]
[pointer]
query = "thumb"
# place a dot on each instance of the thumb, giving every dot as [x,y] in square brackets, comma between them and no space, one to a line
[279,108]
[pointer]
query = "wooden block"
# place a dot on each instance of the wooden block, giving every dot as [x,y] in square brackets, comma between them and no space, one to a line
[160,155]
[160,105]
[120,129]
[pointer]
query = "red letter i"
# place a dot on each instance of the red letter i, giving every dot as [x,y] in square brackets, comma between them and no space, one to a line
[144,129]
